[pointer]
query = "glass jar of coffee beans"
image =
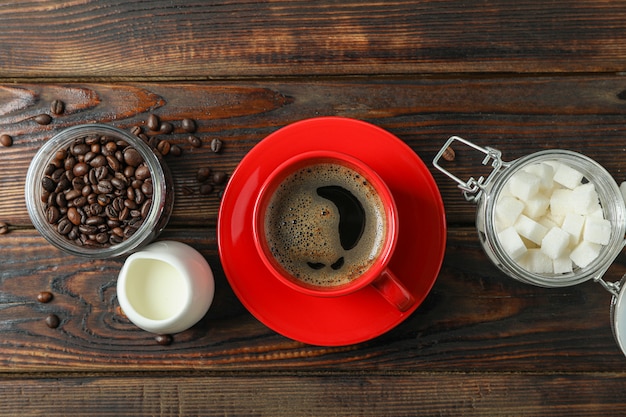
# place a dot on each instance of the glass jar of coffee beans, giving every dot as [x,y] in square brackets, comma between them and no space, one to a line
[97,191]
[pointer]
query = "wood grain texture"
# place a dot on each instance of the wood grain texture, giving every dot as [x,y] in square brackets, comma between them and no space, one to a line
[474,319]
[318,395]
[219,39]
[517,116]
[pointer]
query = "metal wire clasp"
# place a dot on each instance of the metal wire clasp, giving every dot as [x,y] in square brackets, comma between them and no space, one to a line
[472,188]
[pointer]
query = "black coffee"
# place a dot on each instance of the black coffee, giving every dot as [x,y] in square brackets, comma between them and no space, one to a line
[325,224]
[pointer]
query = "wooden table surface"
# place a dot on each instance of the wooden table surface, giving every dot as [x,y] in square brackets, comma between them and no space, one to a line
[521,76]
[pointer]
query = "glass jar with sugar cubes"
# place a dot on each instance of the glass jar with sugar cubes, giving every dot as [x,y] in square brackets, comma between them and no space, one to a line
[553,218]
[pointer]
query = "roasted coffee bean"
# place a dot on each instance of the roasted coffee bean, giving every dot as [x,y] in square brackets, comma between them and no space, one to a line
[219,178]
[45,297]
[130,204]
[206,189]
[52,215]
[102,237]
[98,161]
[48,184]
[73,216]
[72,194]
[194,141]
[94,220]
[57,107]
[6,140]
[4,228]
[61,201]
[164,339]
[118,183]
[176,150]
[189,125]
[166,128]
[132,157]
[164,147]
[52,321]
[113,163]
[145,208]
[203,174]
[147,188]
[139,197]
[153,122]
[105,187]
[135,130]
[216,145]
[80,169]
[43,119]
[64,226]
[142,172]
[80,148]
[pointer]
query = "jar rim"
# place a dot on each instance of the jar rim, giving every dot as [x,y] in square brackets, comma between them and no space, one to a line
[610,199]
[33,191]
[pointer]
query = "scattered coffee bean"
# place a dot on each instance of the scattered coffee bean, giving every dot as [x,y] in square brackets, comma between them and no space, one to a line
[100,193]
[216,145]
[57,107]
[164,339]
[176,150]
[44,297]
[6,140]
[194,141]
[448,154]
[203,174]
[43,119]
[166,128]
[206,189]
[189,125]
[164,147]
[219,178]
[52,321]
[153,123]
[4,228]
[135,130]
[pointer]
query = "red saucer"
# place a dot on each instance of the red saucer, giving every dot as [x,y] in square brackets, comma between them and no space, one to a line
[362,315]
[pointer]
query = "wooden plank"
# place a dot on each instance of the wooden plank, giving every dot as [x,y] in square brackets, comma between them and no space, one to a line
[475,318]
[317,394]
[183,40]
[518,116]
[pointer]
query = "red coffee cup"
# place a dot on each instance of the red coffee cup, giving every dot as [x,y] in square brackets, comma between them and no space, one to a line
[325,224]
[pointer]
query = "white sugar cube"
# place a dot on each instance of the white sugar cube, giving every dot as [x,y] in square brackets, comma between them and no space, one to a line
[536,261]
[560,202]
[545,172]
[584,198]
[547,222]
[573,224]
[567,176]
[597,230]
[507,211]
[562,265]
[555,242]
[523,185]
[536,206]
[530,229]
[512,243]
[585,253]
[597,213]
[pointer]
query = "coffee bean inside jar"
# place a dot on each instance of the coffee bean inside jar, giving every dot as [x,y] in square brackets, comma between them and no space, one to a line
[101,193]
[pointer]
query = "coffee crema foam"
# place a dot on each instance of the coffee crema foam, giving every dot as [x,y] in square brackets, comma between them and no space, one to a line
[302,228]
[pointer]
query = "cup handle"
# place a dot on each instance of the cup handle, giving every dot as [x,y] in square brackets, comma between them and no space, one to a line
[390,287]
